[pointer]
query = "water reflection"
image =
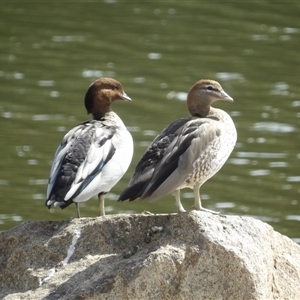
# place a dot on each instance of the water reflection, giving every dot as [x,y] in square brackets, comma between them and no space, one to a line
[97,74]
[7,218]
[260,155]
[46,83]
[273,127]
[68,38]
[259,172]
[293,179]
[230,76]
[278,164]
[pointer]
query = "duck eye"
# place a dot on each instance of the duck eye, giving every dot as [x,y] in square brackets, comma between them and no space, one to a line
[210,88]
[114,86]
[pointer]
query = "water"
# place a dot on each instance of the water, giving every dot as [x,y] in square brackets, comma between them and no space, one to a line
[51,52]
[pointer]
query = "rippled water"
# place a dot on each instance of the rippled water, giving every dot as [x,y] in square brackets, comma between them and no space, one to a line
[51,52]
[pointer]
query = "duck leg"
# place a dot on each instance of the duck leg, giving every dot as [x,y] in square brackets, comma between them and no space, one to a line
[178,202]
[197,204]
[101,204]
[77,209]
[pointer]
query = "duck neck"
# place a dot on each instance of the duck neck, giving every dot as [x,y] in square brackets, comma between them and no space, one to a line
[199,110]
[99,115]
[197,106]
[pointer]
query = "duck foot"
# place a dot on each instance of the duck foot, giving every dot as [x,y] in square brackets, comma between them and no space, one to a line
[205,209]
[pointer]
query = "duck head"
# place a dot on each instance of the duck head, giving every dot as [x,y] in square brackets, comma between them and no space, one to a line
[101,94]
[203,94]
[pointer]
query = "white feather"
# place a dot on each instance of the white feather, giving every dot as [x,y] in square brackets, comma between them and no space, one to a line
[112,171]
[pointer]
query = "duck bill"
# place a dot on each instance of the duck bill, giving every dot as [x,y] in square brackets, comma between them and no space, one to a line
[226,97]
[124,96]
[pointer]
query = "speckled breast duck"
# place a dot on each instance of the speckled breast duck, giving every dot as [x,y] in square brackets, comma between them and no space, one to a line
[188,152]
[94,155]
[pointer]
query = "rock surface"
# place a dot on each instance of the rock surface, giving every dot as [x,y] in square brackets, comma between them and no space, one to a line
[194,255]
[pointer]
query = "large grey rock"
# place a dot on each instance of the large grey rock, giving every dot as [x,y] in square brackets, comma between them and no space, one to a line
[195,255]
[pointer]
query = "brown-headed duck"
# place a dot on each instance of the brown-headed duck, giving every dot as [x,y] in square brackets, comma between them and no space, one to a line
[94,155]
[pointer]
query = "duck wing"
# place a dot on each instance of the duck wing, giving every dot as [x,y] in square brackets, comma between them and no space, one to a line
[151,159]
[81,156]
[189,147]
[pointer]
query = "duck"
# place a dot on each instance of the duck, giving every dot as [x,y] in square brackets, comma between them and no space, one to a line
[187,152]
[94,155]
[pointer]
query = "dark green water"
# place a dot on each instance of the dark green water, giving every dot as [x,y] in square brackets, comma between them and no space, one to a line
[51,52]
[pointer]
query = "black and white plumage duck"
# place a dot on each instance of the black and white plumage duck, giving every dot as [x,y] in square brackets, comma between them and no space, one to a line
[188,152]
[94,155]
